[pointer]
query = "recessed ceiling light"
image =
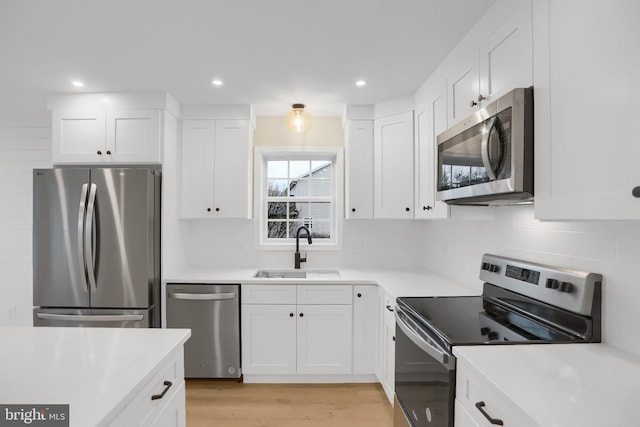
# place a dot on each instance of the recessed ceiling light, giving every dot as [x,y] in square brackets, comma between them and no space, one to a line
[361,83]
[77,83]
[216,82]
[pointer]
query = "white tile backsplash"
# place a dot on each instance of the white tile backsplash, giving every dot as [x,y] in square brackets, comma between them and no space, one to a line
[611,248]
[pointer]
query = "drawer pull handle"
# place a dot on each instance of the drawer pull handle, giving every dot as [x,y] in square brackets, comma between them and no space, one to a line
[167,386]
[480,405]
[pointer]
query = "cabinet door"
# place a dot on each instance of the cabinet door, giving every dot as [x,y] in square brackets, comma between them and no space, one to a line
[463,88]
[233,171]
[381,356]
[324,339]
[429,123]
[586,109]
[365,328]
[506,56]
[389,383]
[393,171]
[359,169]
[173,412]
[133,136]
[196,168]
[462,417]
[268,339]
[78,135]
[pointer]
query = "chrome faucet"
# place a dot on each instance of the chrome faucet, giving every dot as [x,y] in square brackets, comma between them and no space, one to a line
[298,258]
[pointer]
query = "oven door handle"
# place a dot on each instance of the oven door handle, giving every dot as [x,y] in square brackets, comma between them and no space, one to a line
[444,358]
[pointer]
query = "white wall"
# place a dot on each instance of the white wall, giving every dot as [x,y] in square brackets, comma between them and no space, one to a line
[25,144]
[453,248]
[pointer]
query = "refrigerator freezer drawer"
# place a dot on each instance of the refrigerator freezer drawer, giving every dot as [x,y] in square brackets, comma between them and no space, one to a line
[92,318]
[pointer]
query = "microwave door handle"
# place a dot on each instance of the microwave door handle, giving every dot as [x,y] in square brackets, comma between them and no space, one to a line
[441,356]
[486,157]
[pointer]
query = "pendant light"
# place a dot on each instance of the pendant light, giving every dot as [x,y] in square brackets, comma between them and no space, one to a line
[298,120]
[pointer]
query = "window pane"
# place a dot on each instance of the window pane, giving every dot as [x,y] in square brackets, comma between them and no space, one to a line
[299,188]
[277,210]
[277,169]
[299,168]
[277,187]
[321,229]
[297,210]
[321,169]
[293,229]
[276,230]
[321,188]
[319,210]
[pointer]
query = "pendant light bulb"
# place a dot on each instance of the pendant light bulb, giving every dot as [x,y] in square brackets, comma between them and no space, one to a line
[298,120]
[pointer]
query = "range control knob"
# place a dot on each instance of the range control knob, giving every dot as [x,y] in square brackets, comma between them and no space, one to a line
[490,267]
[484,330]
[493,336]
[552,284]
[566,287]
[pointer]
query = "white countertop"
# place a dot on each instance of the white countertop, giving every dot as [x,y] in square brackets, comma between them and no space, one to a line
[399,283]
[563,385]
[94,370]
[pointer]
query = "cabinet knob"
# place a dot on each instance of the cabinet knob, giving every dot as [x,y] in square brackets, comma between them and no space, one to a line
[636,192]
[208,209]
[108,152]
[217,209]
[99,153]
[290,314]
[473,103]
[481,98]
[393,338]
[359,295]
[426,208]
[301,314]
[407,209]
[353,209]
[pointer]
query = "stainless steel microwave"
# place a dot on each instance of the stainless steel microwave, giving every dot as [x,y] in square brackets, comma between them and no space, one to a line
[487,159]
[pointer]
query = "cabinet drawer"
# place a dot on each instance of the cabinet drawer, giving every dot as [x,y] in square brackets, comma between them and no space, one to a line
[325,294]
[472,388]
[268,294]
[142,408]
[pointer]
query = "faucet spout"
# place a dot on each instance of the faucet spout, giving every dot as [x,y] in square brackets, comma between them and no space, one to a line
[298,258]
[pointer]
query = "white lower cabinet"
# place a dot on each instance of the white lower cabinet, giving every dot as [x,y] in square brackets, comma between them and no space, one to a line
[161,401]
[385,366]
[479,403]
[365,328]
[314,337]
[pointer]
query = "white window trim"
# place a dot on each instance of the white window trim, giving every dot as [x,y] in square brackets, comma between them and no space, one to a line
[261,155]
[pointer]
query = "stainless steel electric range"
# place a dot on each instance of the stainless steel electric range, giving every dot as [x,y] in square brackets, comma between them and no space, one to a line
[521,303]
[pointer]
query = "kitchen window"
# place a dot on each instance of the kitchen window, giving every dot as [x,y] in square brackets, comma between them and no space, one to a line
[298,187]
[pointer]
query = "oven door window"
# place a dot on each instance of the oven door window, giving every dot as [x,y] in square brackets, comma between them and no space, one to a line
[424,387]
[479,154]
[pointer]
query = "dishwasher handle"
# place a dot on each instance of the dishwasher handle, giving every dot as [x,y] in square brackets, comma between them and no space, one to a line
[201,297]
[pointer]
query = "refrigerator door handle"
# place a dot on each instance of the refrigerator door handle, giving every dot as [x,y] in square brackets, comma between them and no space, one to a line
[81,215]
[88,232]
[90,318]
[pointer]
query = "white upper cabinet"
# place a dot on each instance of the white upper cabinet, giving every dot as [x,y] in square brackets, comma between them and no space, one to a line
[431,119]
[215,168]
[463,90]
[110,128]
[506,57]
[586,64]
[359,168]
[499,64]
[393,166]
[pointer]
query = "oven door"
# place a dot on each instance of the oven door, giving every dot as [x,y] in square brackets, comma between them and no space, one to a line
[424,376]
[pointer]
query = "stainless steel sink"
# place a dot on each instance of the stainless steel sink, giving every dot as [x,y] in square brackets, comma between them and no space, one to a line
[297,274]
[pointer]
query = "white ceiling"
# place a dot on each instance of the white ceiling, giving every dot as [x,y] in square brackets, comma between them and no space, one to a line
[269,53]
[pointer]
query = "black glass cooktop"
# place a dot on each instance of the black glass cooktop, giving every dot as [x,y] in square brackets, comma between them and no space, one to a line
[472,320]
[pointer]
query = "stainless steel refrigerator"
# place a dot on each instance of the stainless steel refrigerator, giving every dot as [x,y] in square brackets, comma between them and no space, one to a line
[96,247]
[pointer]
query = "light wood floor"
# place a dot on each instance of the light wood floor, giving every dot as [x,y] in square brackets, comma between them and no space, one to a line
[232,404]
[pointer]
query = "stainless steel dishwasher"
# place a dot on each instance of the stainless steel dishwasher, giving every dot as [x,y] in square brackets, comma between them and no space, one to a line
[212,312]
